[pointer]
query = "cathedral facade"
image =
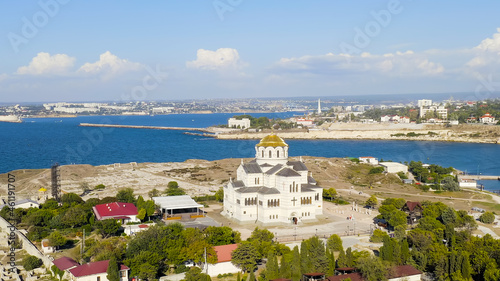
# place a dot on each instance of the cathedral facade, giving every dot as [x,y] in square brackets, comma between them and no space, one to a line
[271,189]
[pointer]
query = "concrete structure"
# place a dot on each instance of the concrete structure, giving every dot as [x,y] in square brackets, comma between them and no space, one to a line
[368,160]
[467,183]
[241,124]
[171,205]
[125,212]
[223,264]
[393,167]
[305,122]
[271,189]
[319,106]
[135,228]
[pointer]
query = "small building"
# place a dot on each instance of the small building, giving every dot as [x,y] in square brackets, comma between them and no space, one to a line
[240,124]
[223,264]
[135,228]
[96,271]
[305,122]
[467,183]
[175,205]
[125,212]
[46,248]
[487,119]
[314,276]
[394,167]
[407,181]
[414,211]
[368,160]
[22,204]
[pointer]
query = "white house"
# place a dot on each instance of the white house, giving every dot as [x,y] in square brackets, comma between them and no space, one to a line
[125,212]
[22,204]
[393,167]
[368,160]
[223,264]
[305,122]
[487,118]
[135,228]
[46,248]
[235,123]
[467,183]
[271,189]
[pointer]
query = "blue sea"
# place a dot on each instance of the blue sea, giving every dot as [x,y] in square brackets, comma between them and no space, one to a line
[41,142]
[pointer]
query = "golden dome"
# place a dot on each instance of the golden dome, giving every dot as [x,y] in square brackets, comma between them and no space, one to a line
[272,140]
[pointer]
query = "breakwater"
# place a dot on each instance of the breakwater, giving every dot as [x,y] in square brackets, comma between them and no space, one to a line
[145,127]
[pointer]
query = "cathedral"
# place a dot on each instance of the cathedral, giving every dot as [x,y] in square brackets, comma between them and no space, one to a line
[271,189]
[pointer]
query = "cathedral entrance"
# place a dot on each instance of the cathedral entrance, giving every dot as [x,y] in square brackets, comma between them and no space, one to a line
[294,218]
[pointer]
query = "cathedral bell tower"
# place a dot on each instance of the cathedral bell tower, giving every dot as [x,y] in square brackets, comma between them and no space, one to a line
[271,150]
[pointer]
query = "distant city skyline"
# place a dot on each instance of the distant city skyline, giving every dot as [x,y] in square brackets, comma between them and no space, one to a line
[61,50]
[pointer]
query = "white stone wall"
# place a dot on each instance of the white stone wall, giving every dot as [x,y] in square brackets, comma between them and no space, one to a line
[221,268]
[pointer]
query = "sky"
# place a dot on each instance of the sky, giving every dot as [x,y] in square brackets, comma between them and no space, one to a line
[120,51]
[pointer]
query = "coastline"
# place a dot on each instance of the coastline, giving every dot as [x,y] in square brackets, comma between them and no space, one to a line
[406,132]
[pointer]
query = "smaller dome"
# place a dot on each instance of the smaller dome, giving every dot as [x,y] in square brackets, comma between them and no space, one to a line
[272,140]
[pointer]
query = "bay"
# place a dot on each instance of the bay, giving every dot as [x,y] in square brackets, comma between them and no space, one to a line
[41,142]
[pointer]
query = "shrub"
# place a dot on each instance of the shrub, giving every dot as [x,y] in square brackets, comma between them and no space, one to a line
[487,217]
[100,186]
[378,236]
[376,170]
[31,262]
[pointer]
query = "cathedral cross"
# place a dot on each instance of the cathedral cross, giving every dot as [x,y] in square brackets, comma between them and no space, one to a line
[293,200]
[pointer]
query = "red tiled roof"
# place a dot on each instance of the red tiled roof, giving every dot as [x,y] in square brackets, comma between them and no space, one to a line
[404,270]
[353,276]
[90,268]
[224,252]
[412,205]
[65,263]
[143,226]
[115,209]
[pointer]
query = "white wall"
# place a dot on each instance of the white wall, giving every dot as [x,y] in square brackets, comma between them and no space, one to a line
[221,268]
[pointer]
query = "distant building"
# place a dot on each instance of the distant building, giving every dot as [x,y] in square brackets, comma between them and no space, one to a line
[223,264]
[46,248]
[422,103]
[394,167]
[241,124]
[467,183]
[96,271]
[487,118]
[368,160]
[125,212]
[172,206]
[319,106]
[22,204]
[414,211]
[305,122]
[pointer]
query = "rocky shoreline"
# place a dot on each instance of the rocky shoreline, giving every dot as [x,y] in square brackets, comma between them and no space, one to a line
[465,134]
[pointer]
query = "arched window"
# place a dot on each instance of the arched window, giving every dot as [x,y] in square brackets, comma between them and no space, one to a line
[270,154]
[262,153]
[278,206]
[277,153]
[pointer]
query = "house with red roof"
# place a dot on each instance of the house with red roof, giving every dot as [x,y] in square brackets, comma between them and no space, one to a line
[487,118]
[96,271]
[125,212]
[223,264]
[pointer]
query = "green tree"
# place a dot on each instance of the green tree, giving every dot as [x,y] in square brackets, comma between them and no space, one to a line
[245,257]
[108,227]
[141,214]
[329,193]
[487,217]
[31,262]
[272,269]
[371,202]
[113,273]
[75,216]
[262,239]
[285,271]
[153,193]
[334,243]
[57,272]
[397,218]
[372,268]
[378,236]
[69,198]
[342,259]
[219,195]
[126,195]
[173,189]
[100,186]
[56,239]
[295,266]
[217,236]
[448,183]
[400,232]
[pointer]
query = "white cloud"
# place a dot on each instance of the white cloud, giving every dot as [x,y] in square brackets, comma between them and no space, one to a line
[3,76]
[392,64]
[223,58]
[486,55]
[44,63]
[109,65]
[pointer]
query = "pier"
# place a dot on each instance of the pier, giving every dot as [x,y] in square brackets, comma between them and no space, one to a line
[478,177]
[146,127]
